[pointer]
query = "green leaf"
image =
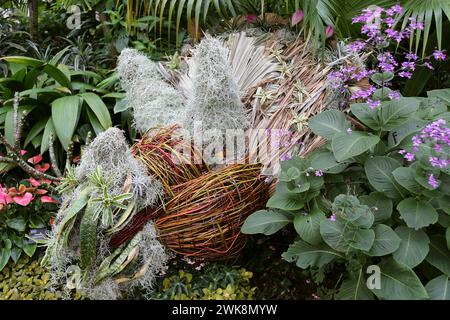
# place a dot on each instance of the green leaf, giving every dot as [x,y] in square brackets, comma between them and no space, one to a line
[99,108]
[442,94]
[35,130]
[76,206]
[65,115]
[308,226]
[24,61]
[417,214]
[29,248]
[397,135]
[326,124]
[386,241]
[354,288]
[343,237]
[399,282]
[324,160]
[37,222]
[381,78]
[447,237]
[286,201]
[5,253]
[439,288]
[379,173]
[9,127]
[307,255]
[17,223]
[49,131]
[58,75]
[380,205]
[396,112]
[346,145]
[439,255]
[88,237]
[414,246]
[266,222]
[366,115]
[98,128]
[405,176]
[16,252]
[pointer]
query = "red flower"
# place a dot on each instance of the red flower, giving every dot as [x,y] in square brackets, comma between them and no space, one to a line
[47,199]
[46,181]
[35,159]
[42,168]
[41,191]
[251,18]
[23,200]
[34,182]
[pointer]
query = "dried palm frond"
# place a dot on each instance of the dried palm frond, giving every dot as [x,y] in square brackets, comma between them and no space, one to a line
[204,217]
[164,154]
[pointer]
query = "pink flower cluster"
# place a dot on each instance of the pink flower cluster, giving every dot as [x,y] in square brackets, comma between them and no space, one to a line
[436,136]
[379,27]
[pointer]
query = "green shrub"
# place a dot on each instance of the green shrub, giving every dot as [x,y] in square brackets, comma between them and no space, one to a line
[216,282]
[372,197]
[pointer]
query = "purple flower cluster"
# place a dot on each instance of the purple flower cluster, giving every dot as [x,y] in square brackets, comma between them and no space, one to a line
[436,136]
[378,25]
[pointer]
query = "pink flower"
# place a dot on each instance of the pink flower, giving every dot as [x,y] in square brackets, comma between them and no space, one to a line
[333,217]
[42,168]
[34,182]
[41,191]
[23,200]
[251,18]
[23,152]
[45,181]
[35,159]
[297,17]
[47,199]
[329,31]
[5,198]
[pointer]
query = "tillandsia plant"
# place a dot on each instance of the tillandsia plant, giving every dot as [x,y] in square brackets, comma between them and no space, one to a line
[374,196]
[100,197]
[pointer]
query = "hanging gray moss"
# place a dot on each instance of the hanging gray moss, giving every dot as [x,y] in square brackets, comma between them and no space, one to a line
[110,152]
[214,99]
[154,101]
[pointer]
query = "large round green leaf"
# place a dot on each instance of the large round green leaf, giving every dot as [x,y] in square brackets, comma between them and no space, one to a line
[380,205]
[379,173]
[396,112]
[405,176]
[355,288]
[386,241]
[366,115]
[439,255]
[413,248]
[439,288]
[399,282]
[308,225]
[417,213]
[346,145]
[289,201]
[65,115]
[324,160]
[266,222]
[326,124]
[343,237]
[307,255]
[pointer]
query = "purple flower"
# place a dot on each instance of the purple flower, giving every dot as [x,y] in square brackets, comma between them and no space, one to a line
[373,103]
[363,93]
[413,24]
[405,74]
[410,157]
[411,56]
[333,217]
[394,95]
[349,131]
[408,65]
[432,181]
[318,173]
[439,55]
[389,21]
[416,141]
[356,46]
[402,151]
[285,157]
[394,10]
[428,65]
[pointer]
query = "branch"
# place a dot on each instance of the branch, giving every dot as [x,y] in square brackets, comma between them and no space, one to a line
[51,151]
